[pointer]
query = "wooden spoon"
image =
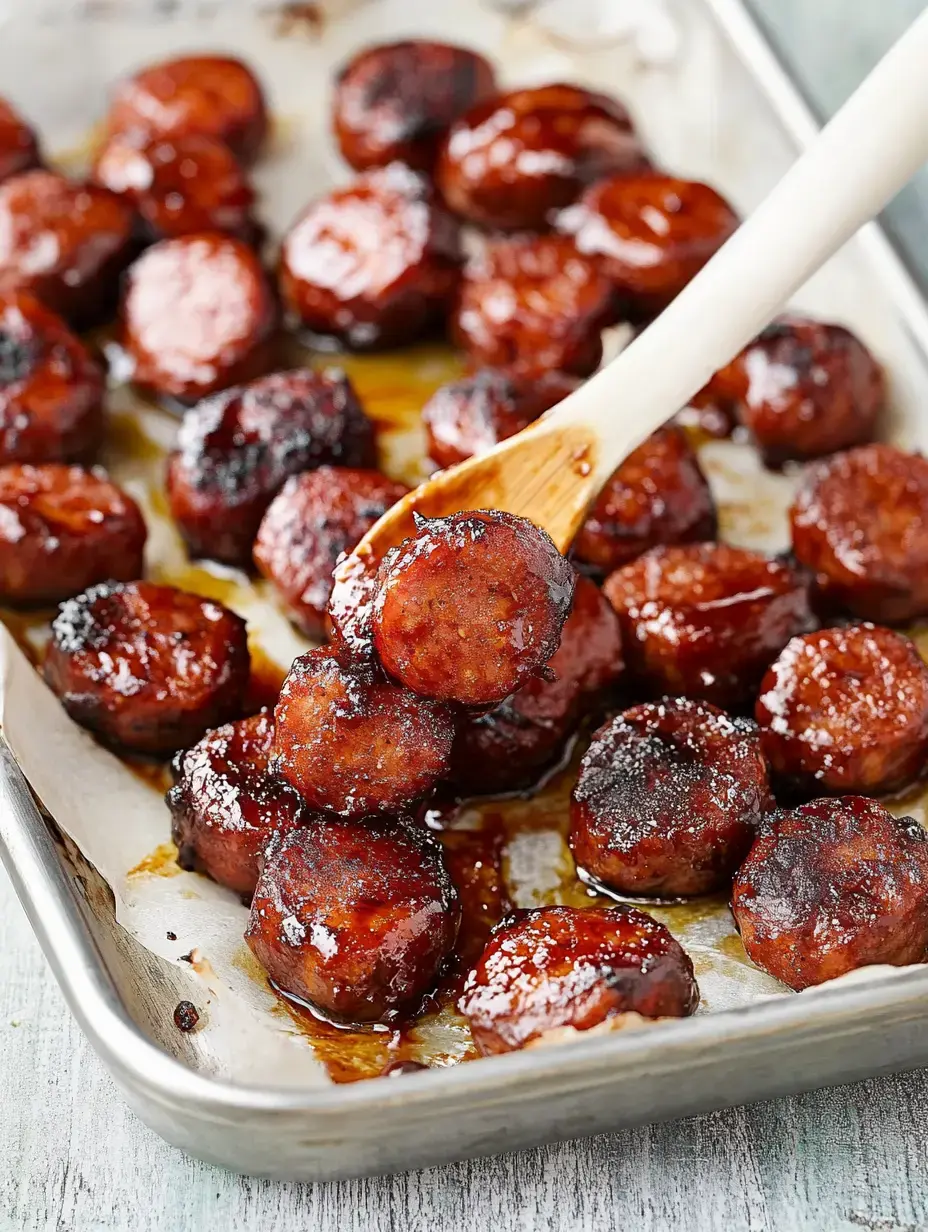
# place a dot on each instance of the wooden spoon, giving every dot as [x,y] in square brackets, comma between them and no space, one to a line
[553,470]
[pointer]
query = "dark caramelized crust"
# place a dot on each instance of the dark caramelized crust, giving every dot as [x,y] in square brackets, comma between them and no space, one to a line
[651,234]
[706,620]
[225,806]
[846,710]
[62,528]
[394,102]
[66,242]
[373,265]
[350,616]
[198,315]
[355,918]
[236,449]
[19,146]
[310,523]
[533,304]
[860,523]
[214,95]
[552,967]
[508,748]
[512,160]
[472,607]
[356,746]
[147,667]
[832,886]
[668,800]
[51,389]
[658,495]
[470,416]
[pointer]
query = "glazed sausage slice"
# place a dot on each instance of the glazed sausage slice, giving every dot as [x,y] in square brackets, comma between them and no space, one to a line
[236,449]
[350,616]
[226,808]
[471,607]
[705,620]
[514,159]
[198,315]
[470,416]
[846,711]
[213,95]
[668,800]
[355,918]
[51,389]
[19,146]
[373,265]
[552,967]
[62,528]
[533,304]
[651,234]
[832,886]
[356,746]
[394,102]
[860,523]
[67,243]
[147,667]
[658,495]
[310,523]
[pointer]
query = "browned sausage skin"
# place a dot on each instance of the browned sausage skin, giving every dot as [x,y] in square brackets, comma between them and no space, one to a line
[846,711]
[236,449]
[51,389]
[19,146]
[668,800]
[513,160]
[353,745]
[832,886]
[180,346]
[706,619]
[552,967]
[658,495]
[860,523]
[471,607]
[355,918]
[225,807]
[394,102]
[350,615]
[62,529]
[373,265]
[147,667]
[314,519]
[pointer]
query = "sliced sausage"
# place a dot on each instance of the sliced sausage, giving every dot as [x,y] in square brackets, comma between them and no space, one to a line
[350,616]
[19,146]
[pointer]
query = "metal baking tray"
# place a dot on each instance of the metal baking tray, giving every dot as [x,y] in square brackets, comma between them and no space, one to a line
[122,995]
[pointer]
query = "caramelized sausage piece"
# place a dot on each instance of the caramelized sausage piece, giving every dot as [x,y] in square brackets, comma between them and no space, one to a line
[62,528]
[394,102]
[213,95]
[658,495]
[350,617]
[651,234]
[832,886]
[668,800]
[225,807]
[508,748]
[514,159]
[551,967]
[705,620]
[355,919]
[67,243]
[356,746]
[147,667]
[470,416]
[471,607]
[19,146]
[51,389]
[373,265]
[310,523]
[236,449]
[188,183]
[198,315]
[846,711]
[533,304]
[860,523]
